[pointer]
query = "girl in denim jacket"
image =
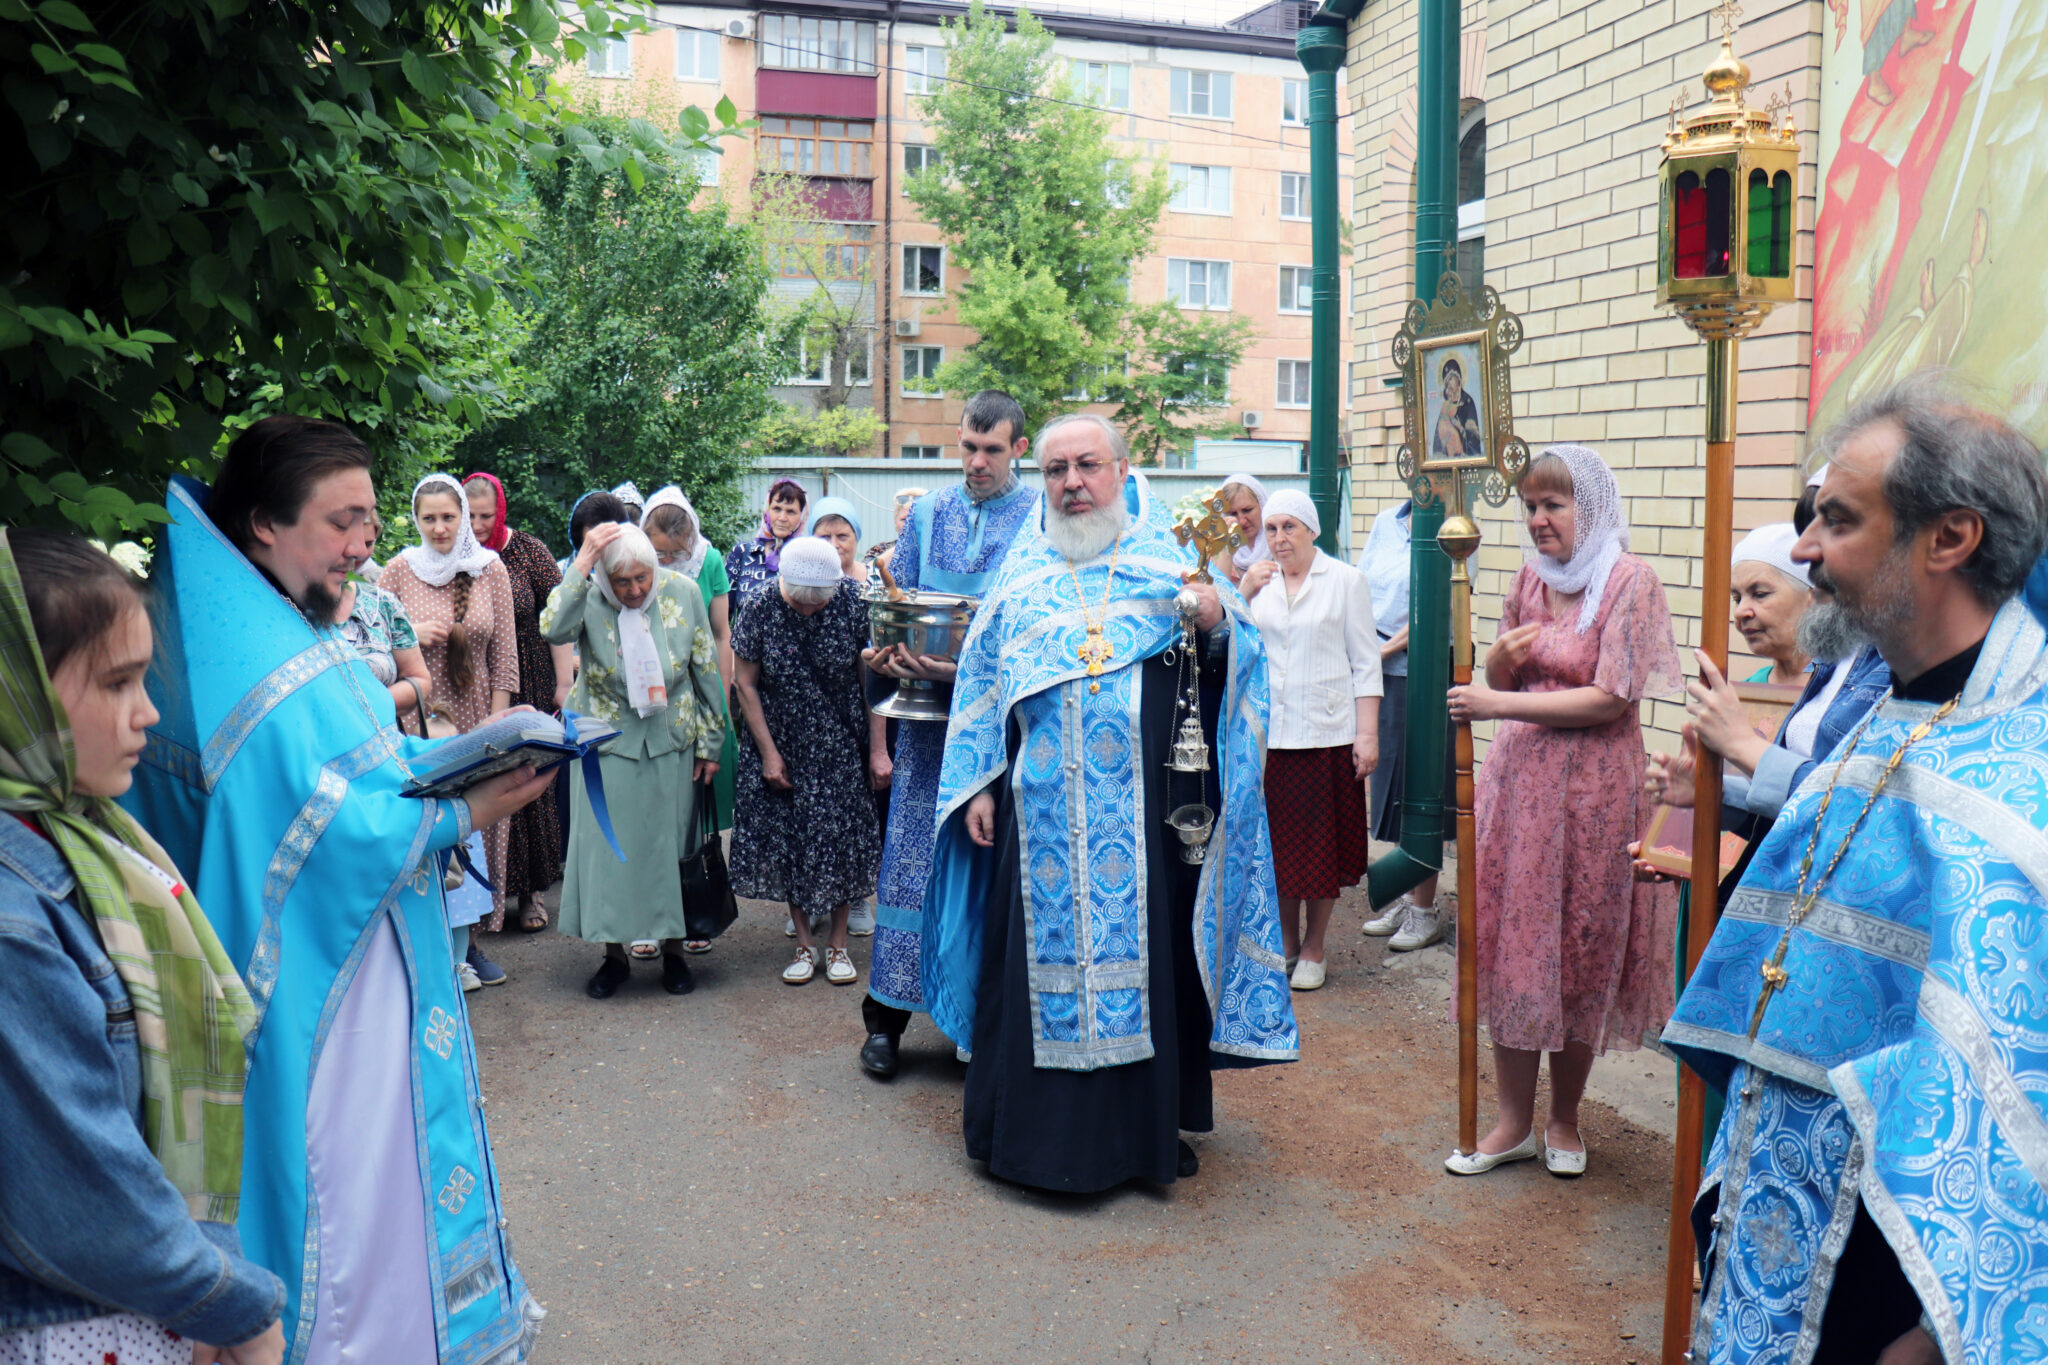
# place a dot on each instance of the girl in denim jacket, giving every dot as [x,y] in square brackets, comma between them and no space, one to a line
[121,1020]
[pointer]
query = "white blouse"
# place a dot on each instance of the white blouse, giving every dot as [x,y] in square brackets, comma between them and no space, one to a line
[1322,654]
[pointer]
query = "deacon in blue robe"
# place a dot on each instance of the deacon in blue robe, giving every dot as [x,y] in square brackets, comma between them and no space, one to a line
[951,544]
[273,779]
[1881,1170]
[1093,975]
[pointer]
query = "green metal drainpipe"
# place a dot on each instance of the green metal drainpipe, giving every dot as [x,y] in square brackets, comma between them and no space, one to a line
[1424,754]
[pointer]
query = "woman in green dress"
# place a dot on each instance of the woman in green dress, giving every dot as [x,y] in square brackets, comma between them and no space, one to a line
[647,667]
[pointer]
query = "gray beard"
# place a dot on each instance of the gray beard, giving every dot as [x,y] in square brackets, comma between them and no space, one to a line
[1081,538]
[1837,629]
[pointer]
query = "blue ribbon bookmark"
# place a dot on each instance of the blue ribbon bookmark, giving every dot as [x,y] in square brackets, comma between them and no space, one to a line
[593,783]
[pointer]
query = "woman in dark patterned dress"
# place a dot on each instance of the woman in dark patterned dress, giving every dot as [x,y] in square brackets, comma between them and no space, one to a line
[545,671]
[804,829]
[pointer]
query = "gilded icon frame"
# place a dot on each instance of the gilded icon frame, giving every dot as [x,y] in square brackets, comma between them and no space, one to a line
[1480,333]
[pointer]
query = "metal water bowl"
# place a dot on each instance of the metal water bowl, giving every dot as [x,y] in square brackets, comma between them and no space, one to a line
[932,624]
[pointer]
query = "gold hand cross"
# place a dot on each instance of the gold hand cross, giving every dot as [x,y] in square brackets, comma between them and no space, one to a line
[1212,534]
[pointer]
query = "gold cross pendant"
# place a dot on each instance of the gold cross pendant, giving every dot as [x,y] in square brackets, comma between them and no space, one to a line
[1775,976]
[1095,652]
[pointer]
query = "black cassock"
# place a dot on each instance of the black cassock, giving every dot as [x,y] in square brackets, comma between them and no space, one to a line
[1083,1131]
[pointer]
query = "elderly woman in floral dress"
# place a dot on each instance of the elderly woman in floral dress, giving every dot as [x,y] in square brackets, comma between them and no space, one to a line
[648,668]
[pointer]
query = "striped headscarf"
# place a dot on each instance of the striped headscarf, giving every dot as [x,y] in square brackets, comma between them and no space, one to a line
[192,1013]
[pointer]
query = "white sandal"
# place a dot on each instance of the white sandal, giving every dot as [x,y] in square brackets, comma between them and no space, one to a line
[645,949]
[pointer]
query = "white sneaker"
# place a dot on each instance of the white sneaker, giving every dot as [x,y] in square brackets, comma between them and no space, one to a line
[789,927]
[1419,929]
[466,977]
[803,968]
[1308,976]
[861,923]
[1389,921]
[839,968]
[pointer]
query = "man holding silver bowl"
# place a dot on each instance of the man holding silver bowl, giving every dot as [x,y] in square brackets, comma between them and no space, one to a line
[949,549]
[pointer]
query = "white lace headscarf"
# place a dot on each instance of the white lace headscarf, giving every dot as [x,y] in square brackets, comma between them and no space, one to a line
[469,556]
[1600,536]
[1244,556]
[693,560]
[639,660]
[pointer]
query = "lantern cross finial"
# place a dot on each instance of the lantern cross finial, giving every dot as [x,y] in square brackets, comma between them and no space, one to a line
[1728,12]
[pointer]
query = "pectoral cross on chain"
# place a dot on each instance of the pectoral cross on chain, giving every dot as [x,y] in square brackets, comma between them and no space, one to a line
[1211,534]
[1095,651]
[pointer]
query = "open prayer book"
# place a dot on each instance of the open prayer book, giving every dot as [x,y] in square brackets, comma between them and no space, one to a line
[520,739]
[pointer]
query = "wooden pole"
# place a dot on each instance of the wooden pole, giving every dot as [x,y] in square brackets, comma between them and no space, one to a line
[1718,545]
[1458,538]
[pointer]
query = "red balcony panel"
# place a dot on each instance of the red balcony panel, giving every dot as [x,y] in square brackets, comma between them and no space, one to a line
[821,94]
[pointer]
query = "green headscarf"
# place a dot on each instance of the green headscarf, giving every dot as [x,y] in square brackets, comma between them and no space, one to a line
[192,1012]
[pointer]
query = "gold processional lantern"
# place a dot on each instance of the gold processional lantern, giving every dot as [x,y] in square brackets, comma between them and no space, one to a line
[1728,197]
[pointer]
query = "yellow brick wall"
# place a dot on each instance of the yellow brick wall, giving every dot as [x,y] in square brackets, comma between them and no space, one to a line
[1576,100]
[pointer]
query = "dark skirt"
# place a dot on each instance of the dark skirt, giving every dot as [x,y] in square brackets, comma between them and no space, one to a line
[1316,809]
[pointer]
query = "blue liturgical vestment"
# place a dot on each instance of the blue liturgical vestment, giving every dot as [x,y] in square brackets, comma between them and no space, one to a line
[951,544]
[273,779]
[1082,837]
[1904,1063]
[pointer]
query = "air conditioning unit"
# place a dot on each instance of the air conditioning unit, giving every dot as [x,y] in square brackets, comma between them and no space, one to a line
[739,28]
[1253,420]
[909,327]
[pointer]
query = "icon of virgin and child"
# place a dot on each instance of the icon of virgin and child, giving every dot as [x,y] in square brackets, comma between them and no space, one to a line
[1455,432]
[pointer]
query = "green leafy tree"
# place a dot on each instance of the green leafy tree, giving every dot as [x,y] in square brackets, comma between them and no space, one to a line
[225,203]
[651,348]
[1045,216]
[834,431]
[1178,378]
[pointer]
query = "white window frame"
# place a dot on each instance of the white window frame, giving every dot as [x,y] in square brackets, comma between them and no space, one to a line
[808,375]
[698,44]
[707,164]
[924,68]
[1302,204]
[922,452]
[910,272]
[921,378]
[1182,266]
[1223,399]
[799,42]
[602,61]
[1287,382]
[860,365]
[1199,189]
[927,158]
[1293,302]
[1294,93]
[1202,94]
[1097,83]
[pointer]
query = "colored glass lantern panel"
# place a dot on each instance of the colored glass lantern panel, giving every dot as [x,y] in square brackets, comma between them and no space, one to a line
[1720,221]
[1767,237]
[1781,224]
[1689,227]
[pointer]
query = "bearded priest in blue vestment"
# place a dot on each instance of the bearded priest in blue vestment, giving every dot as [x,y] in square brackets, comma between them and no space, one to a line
[1093,975]
[1873,1000]
[273,778]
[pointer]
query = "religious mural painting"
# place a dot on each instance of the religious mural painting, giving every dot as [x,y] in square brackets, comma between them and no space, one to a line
[1932,183]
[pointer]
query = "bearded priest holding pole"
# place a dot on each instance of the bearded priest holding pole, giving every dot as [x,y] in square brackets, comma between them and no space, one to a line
[1101,926]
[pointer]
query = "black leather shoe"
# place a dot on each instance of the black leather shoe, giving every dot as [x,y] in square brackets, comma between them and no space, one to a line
[611,974]
[1189,1162]
[675,975]
[878,1055]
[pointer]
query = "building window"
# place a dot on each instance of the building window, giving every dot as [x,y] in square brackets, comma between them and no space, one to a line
[696,55]
[1198,284]
[806,43]
[809,146]
[1200,189]
[1294,200]
[1297,291]
[706,162]
[1471,266]
[924,69]
[1208,381]
[924,270]
[612,57]
[1292,390]
[1294,104]
[859,369]
[921,369]
[923,452]
[812,355]
[1201,94]
[1104,84]
[827,251]
[919,158]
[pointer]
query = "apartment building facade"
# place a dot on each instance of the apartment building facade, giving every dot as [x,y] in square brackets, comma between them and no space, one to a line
[837,91]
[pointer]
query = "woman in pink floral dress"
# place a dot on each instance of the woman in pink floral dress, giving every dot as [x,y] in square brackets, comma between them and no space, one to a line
[1574,953]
